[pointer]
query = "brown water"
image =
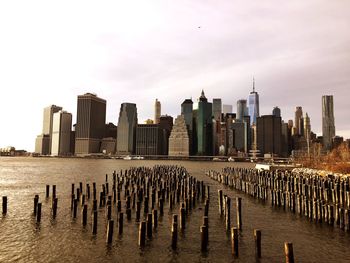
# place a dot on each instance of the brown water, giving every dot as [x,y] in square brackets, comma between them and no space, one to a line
[65,240]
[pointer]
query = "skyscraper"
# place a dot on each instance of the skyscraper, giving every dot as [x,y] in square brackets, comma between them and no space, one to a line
[157,111]
[269,134]
[307,127]
[61,132]
[242,109]
[253,105]
[90,126]
[276,112]
[179,140]
[227,108]
[203,119]
[127,122]
[148,139]
[298,116]
[217,109]
[328,128]
[48,121]
[187,112]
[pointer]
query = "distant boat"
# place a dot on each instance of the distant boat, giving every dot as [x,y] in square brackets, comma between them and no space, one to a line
[128,157]
[231,159]
[138,158]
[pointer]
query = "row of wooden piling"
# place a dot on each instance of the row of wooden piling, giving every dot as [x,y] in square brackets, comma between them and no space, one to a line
[321,199]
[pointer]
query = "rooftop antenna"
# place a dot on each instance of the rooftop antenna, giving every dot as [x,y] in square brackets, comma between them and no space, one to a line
[253,84]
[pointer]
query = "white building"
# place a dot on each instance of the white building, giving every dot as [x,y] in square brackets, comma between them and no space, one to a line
[61,131]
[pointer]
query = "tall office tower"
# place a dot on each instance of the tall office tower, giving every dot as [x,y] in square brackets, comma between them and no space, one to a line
[42,142]
[187,112]
[48,120]
[217,109]
[269,134]
[127,129]
[290,124]
[179,142]
[328,128]
[90,126]
[285,140]
[276,112]
[61,132]
[298,116]
[227,108]
[242,109]
[203,125]
[307,127]
[148,139]
[253,104]
[157,111]
[166,124]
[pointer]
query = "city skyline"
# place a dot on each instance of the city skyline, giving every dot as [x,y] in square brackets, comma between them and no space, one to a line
[171,51]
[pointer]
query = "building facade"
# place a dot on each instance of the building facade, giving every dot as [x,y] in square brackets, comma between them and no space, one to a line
[127,123]
[90,125]
[179,143]
[148,139]
[269,134]
[48,121]
[61,132]
[242,109]
[328,126]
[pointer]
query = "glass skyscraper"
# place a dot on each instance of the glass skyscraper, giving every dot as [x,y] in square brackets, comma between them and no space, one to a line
[253,105]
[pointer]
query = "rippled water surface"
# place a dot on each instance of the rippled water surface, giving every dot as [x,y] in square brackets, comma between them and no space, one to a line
[65,240]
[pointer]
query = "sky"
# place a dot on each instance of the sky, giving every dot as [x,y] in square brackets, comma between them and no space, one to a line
[137,51]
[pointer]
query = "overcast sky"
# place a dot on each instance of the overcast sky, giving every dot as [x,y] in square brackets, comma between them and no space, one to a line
[137,51]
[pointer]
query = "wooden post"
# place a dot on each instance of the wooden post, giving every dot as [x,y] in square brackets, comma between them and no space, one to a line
[84,215]
[239,212]
[128,213]
[38,213]
[110,227]
[4,205]
[204,238]
[54,207]
[47,191]
[288,250]
[142,234]
[53,191]
[228,214]
[174,235]
[94,222]
[149,225]
[234,241]
[36,200]
[257,238]
[138,211]
[120,223]
[220,201]
[161,206]
[155,218]
[109,212]
[182,218]
[75,207]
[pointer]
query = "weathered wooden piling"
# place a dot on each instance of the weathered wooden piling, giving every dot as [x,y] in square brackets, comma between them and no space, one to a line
[142,234]
[36,200]
[47,191]
[4,205]
[234,241]
[53,192]
[288,251]
[138,211]
[155,218]
[54,207]
[75,207]
[38,213]
[228,214]
[120,223]
[220,200]
[239,212]
[204,238]
[257,239]
[110,227]
[149,225]
[84,215]
[182,218]
[174,235]
[94,222]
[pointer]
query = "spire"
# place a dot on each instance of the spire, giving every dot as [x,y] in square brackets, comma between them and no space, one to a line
[253,84]
[202,97]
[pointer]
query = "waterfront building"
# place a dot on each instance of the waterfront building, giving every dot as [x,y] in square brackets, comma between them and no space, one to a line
[127,122]
[269,134]
[90,126]
[166,125]
[328,127]
[298,115]
[226,108]
[157,111]
[276,112]
[148,139]
[108,145]
[253,105]
[203,126]
[61,132]
[242,109]
[217,109]
[42,144]
[48,121]
[179,144]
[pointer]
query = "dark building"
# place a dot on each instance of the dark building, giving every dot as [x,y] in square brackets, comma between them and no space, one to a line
[269,134]
[110,131]
[90,126]
[148,139]
[127,123]
[203,125]
[166,124]
[336,141]
[276,112]
[187,112]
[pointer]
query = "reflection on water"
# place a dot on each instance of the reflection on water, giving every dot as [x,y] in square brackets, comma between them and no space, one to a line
[65,240]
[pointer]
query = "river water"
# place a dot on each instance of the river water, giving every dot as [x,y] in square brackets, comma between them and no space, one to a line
[65,240]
